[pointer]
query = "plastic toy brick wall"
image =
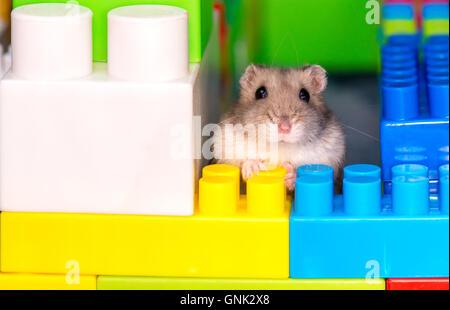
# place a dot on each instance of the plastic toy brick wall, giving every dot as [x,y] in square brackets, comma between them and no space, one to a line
[200,21]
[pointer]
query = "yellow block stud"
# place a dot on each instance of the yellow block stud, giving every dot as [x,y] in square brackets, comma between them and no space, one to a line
[274,171]
[266,196]
[436,27]
[224,171]
[399,27]
[218,196]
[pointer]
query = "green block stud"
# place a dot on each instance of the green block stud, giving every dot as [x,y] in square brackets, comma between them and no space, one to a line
[200,21]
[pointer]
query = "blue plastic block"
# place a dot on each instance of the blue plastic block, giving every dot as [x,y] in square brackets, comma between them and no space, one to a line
[398,11]
[443,170]
[362,171]
[401,39]
[415,97]
[404,235]
[435,11]
[410,170]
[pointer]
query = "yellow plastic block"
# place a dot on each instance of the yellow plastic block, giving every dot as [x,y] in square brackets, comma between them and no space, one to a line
[436,27]
[21,281]
[240,245]
[399,27]
[142,283]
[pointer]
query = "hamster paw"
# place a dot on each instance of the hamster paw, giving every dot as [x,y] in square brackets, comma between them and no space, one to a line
[290,177]
[252,167]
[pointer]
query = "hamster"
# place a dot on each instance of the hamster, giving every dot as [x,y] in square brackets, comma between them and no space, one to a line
[289,100]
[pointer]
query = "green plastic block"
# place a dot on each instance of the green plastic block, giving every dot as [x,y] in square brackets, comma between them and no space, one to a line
[200,21]
[144,283]
[334,34]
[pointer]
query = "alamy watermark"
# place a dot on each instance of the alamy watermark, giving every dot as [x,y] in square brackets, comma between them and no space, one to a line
[226,142]
[373,16]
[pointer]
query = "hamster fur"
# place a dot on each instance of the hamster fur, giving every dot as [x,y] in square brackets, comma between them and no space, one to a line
[291,99]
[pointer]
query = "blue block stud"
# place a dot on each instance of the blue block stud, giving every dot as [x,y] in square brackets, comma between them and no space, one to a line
[443,170]
[444,193]
[435,11]
[398,79]
[404,39]
[362,196]
[410,195]
[315,170]
[438,95]
[439,39]
[400,101]
[362,171]
[314,195]
[398,11]
[399,72]
[410,170]
[404,64]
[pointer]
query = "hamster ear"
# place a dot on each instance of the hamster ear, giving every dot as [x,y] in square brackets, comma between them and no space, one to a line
[249,76]
[318,78]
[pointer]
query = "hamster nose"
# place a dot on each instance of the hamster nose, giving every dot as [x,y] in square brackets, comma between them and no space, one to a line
[284,127]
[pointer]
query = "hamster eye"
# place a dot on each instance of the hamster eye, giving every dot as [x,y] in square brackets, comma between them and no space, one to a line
[304,95]
[261,93]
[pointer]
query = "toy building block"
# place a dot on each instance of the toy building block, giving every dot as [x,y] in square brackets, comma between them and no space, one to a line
[396,11]
[363,234]
[227,237]
[430,284]
[398,18]
[415,123]
[200,21]
[23,281]
[144,283]
[79,137]
[435,17]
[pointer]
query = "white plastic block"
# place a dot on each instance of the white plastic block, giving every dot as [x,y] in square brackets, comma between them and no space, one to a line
[96,145]
[148,43]
[51,41]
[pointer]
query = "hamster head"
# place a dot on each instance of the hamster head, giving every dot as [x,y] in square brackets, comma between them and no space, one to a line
[287,98]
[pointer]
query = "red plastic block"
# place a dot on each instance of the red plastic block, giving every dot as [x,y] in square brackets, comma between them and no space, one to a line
[430,284]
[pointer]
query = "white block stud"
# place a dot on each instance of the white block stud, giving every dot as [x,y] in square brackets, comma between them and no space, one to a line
[51,41]
[148,43]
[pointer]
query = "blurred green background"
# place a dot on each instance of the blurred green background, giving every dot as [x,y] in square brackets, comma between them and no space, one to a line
[332,33]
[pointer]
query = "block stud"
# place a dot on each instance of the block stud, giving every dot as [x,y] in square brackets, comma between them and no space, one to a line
[443,170]
[148,43]
[438,96]
[410,195]
[266,196]
[400,100]
[315,170]
[314,195]
[51,41]
[410,169]
[217,196]
[274,171]
[224,171]
[362,195]
[361,171]
[444,194]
